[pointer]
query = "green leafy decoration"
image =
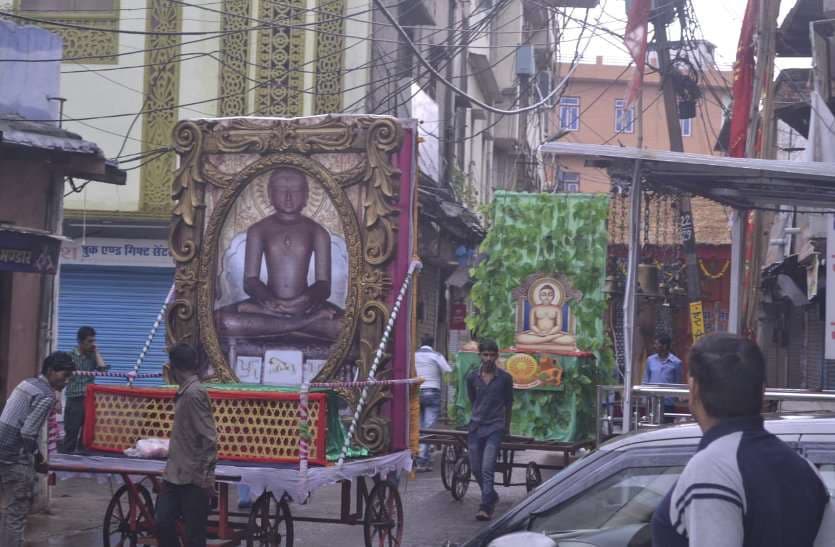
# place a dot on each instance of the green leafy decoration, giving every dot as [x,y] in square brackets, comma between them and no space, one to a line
[547,233]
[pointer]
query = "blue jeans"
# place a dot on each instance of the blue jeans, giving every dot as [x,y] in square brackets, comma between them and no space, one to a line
[430,408]
[483,451]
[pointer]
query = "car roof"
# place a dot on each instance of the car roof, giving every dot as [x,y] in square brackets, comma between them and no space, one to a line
[690,433]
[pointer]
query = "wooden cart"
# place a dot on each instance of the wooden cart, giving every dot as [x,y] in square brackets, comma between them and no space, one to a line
[369,500]
[455,464]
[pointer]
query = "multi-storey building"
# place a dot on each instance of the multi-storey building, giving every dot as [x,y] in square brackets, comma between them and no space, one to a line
[592,110]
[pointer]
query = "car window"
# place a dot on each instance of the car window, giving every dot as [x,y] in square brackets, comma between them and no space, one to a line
[828,474]
[627,497]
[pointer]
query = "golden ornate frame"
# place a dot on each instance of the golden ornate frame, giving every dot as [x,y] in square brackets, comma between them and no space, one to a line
[265,144]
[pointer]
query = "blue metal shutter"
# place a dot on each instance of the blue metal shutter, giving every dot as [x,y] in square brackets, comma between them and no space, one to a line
[122,305]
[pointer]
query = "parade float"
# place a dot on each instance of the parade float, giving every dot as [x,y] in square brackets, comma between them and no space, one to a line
[538,292]
[293,241]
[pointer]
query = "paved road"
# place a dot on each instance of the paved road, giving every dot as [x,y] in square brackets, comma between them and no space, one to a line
[432,517]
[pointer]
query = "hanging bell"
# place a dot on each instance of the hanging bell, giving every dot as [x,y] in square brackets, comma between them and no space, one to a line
[648,279]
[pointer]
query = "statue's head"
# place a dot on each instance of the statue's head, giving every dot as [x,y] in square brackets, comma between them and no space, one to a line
[288,190]
[546,294]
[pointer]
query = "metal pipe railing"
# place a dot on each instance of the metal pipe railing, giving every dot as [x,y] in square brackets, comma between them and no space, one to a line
[654,396]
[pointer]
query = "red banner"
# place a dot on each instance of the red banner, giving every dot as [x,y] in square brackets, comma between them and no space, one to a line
[635,38]
[743,85]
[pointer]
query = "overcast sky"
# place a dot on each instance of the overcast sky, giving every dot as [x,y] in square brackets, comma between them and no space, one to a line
[720,21]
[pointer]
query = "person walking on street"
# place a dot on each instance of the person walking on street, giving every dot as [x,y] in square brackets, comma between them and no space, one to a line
[24,415]
[430,365]
[744,487]
[189,475]
[87,358]
[490,390]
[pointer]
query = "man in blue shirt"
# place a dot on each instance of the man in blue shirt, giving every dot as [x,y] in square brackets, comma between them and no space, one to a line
[490,390]
[663,367]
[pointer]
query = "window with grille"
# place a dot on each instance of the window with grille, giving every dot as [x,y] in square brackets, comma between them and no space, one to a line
[624,117]
[568,181]
[570,113]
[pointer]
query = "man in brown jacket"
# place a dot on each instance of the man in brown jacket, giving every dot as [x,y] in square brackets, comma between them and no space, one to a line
[189,476]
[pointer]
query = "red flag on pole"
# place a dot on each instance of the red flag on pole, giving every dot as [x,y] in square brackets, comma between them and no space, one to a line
[743,85]
[635,38]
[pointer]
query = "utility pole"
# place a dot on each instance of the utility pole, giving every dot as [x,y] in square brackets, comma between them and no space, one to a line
[525,68]
[686,224]
[448,112]
[461,110]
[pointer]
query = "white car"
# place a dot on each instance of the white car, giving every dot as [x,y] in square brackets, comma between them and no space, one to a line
[607,498]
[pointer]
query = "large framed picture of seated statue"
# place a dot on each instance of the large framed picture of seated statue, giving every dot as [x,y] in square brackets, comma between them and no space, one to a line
[291,238]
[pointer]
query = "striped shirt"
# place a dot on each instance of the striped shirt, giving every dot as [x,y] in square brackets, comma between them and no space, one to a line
[23,417]
[743,488]
[77,386]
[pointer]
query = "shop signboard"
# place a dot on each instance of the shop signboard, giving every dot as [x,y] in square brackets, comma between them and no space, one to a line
[28,251]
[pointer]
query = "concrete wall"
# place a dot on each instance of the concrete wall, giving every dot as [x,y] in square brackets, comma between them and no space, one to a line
[24,188]
[28,85]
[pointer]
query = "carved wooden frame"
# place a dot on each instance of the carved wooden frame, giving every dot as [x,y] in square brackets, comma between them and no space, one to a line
[372,241]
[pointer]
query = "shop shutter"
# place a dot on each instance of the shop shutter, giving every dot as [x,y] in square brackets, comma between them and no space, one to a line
[122,305]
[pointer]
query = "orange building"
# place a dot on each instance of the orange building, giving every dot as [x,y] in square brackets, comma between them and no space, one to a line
[592,111]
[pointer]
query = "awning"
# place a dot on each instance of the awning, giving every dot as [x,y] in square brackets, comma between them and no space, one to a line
[72,155]
[28,250]
[738,182]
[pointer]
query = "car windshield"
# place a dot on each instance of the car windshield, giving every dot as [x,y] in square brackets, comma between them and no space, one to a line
[628,497]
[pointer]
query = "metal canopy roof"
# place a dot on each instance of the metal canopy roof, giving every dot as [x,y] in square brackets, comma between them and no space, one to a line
[738,182]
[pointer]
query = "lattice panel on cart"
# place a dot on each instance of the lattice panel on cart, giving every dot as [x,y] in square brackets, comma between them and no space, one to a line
[251,426]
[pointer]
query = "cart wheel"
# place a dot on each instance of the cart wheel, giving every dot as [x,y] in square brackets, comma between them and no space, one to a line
[449,455]
[383,524]
[116,530]
[461,478]
[270,523]
[533,476]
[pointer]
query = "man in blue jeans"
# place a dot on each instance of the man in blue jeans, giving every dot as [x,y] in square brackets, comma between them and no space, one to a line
[430,365]
[490,390]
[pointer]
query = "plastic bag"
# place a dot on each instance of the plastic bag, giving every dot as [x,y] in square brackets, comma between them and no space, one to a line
[148,448]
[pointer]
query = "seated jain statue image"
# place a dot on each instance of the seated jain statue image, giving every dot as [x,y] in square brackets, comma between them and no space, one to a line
[547,318]
[287,244]
[282,279]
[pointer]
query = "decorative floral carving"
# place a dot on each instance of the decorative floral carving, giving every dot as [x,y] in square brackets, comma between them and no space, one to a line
[234,51]
[374,284]
[254,136]
[330,52]
[280,59]
[98,48]
[161,91]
